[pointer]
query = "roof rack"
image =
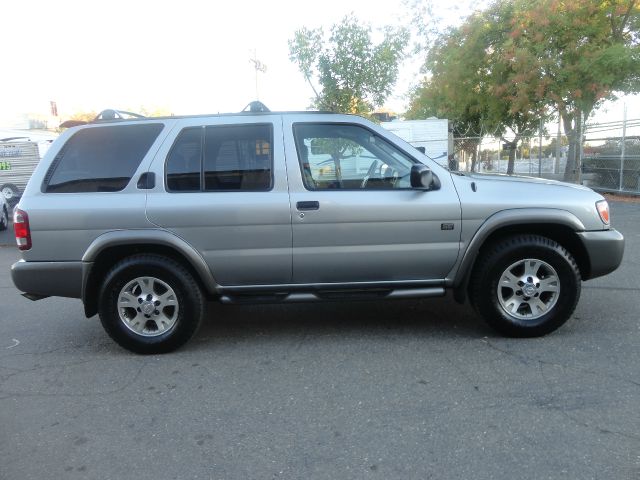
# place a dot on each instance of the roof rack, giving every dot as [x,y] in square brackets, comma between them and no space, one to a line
[110,114]
[107,115]
[255,107]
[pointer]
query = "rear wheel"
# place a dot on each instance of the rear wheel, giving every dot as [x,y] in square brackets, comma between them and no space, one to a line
[150,304]
[526,286]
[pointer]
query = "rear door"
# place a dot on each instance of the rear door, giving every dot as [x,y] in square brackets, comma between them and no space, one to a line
[355,216]
[224,191]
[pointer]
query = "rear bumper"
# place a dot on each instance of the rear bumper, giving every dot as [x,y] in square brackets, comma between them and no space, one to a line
[60,279]
[605,249]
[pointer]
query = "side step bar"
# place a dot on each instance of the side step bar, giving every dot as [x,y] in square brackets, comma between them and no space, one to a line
[401,293]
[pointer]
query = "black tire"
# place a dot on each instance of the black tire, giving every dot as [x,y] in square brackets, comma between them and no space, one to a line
[496,261]
[190,301]
[4,219]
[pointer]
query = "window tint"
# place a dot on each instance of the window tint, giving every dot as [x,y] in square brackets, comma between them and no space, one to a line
[238,158]
[349,157]
[184,161]
[101,159]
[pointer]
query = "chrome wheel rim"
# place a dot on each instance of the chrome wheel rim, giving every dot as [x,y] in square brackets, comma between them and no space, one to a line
[148,306]
[528,289]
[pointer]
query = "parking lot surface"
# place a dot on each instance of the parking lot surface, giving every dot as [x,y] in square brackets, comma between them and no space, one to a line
[389,390]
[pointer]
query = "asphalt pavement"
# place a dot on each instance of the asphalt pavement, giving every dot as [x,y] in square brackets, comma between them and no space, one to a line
[377,390]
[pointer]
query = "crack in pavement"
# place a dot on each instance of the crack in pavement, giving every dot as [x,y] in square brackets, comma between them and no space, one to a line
[572,418]
[6,395]
[526,360]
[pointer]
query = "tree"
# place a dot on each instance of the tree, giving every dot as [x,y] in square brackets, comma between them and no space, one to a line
[469,82]
[348,73]
[568,56]
[451,92]
[574,55]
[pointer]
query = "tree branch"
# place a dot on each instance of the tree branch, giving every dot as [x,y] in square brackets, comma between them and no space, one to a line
[617,32]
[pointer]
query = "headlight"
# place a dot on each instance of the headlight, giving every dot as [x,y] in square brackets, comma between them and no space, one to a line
[603,210]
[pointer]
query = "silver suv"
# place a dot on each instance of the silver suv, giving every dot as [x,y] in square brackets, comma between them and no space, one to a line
[146,220]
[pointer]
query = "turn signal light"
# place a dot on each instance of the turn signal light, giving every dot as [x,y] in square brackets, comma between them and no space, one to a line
[22,230]
[603,211]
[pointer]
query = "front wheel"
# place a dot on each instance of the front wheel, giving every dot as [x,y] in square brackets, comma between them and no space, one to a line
[150,304]
[526,286]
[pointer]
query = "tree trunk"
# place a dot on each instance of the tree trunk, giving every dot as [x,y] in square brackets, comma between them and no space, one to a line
[570,168]
[573,129]
[474,159]
[512,156]
[578,155]
[512,160]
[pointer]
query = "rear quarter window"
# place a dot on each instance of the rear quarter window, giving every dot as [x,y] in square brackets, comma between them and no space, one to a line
[100,159]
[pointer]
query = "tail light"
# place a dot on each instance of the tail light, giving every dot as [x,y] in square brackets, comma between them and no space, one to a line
[21,227]
[603,211]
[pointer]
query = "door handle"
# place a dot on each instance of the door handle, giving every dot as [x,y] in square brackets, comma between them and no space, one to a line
[312,205]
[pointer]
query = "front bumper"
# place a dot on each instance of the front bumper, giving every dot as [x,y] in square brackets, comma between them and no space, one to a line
[60,279]
[605,249]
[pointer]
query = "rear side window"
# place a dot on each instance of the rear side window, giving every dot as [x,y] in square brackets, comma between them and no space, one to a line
[237,158]
[101,159]
[185,160]
[221,158]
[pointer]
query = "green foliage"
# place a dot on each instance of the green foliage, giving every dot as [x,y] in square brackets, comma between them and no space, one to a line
[354,74]
[469,82]
[509,64]
[574,55]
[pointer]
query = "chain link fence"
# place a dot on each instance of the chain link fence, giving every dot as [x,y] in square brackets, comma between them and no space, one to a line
[609,157]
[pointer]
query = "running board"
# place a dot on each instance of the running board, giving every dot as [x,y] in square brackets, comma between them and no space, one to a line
[398,294]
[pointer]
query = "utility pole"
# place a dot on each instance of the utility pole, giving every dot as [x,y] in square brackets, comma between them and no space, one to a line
[622,151]
[583,124]
[540,149]
[556,167]
[258,67]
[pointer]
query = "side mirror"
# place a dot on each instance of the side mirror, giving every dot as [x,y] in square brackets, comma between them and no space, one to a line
[421,177]
[421,149]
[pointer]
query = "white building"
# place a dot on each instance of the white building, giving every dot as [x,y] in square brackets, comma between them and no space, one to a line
[432,134]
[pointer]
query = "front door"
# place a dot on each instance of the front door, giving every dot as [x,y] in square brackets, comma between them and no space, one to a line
[355,217]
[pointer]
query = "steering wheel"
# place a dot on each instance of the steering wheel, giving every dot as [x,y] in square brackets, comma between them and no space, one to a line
[372,169]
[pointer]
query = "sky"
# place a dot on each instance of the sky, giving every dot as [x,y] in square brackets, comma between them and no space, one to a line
[185,57]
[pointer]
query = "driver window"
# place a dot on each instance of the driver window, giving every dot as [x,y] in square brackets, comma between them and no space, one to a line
[349,157]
